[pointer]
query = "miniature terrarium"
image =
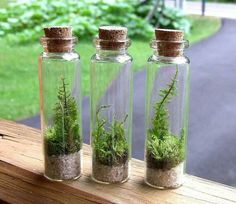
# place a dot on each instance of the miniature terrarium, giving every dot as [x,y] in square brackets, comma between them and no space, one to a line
[167,98]
[59,77]
[111,106]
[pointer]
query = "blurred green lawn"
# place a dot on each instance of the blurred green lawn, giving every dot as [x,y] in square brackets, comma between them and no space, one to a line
[19,70]
[3,3]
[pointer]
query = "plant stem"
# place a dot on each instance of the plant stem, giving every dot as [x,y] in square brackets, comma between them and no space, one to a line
[170,88]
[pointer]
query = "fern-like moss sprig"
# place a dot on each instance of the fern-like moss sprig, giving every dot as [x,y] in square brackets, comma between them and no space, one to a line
[64,136]
[109,141]
[164,150]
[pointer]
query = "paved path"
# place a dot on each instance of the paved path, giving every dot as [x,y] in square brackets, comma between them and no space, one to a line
[224,10]
[212,136]
[212,128]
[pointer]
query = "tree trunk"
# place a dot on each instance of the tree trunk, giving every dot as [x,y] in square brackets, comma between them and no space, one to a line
[152,12]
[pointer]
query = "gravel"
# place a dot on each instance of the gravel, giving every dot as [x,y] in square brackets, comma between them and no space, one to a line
[171,178]
[63,167]
[110,174]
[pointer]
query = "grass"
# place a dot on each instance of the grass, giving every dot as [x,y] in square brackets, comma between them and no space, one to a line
[4,3]
[202,27]
[19,70]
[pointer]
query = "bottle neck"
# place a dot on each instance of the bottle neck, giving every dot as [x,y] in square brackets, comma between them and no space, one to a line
[110,53]
[168,49]
[51,52]
[109,48]
[58,45]
[169,60]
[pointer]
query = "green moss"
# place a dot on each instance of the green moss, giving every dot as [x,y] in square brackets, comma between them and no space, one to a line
[64,136]
[109,141]
[164,150]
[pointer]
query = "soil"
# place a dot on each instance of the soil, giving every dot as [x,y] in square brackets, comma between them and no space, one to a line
[162,164]
[165,178]
[63,167]
[117,173]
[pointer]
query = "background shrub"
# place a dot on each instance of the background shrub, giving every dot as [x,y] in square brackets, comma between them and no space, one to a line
[165,17]
[23,21]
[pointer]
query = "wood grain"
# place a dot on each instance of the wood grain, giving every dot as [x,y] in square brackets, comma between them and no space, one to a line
[21,179]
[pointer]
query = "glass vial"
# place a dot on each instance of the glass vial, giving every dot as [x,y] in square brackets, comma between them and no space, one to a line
[111,106]
[167,102]
[60,97]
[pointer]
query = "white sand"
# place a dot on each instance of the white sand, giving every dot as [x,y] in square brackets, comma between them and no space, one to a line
[63,167]
[110,174]
[172,178]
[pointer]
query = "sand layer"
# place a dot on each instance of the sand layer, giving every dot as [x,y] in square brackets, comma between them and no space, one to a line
[165,178]
[63,167]
[110,174]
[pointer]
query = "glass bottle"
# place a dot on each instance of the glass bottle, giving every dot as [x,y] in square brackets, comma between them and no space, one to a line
[111,106]
[167,102]
[60,104]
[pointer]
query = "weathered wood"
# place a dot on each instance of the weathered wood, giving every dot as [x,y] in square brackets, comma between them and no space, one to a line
[21,179]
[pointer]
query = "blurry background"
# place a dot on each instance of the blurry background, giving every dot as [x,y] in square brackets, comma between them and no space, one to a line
[212,131]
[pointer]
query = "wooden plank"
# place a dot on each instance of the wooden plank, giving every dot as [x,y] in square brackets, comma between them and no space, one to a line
[21,179]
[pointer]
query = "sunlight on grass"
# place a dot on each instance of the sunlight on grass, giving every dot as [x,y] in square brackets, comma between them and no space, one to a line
[202,27]
[3,3]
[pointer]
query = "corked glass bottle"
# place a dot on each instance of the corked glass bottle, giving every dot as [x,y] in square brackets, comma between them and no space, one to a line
[111,106]
[167,102]
[60,97]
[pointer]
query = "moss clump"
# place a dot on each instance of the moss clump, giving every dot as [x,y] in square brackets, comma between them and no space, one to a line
[110,144]
[164,150]
[64,136]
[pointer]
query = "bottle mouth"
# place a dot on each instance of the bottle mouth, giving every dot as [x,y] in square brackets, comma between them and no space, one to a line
[58,44]
[110,44]
[161,44]
[169,48]
[71,40]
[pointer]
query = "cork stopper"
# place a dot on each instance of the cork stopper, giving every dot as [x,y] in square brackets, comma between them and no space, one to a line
[169,34]
[58,32]
[58,39]
[112,37]
[170,43]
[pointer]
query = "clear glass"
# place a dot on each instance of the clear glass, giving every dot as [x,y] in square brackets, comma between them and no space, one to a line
[60,95]
[111,115]
[167,104]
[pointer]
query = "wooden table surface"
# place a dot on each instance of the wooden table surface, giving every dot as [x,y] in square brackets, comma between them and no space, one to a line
[21,180]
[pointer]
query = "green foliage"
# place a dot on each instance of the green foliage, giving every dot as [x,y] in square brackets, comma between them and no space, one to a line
[110,144]
[173,19]
[23,22]
[165,150]
[3,3]
[64,136]
[165,17]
